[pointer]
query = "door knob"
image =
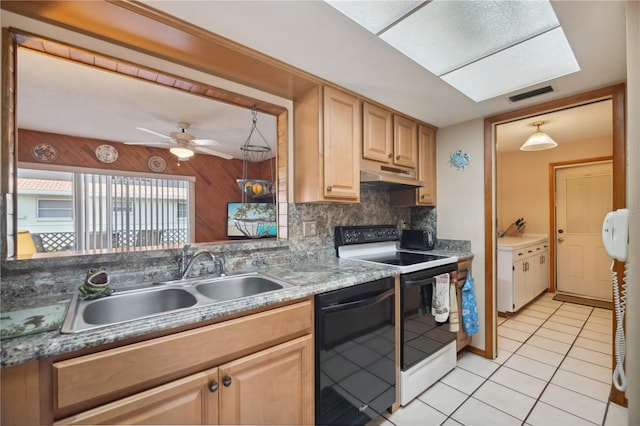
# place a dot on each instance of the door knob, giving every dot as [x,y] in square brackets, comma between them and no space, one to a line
[560,239]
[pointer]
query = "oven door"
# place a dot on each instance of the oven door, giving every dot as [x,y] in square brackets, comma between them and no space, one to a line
[355,353]
[420,334]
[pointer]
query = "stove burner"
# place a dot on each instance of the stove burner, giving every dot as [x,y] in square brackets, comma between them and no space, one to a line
[400,258]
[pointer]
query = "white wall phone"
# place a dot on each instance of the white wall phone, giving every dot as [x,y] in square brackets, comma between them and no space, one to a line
[615,236]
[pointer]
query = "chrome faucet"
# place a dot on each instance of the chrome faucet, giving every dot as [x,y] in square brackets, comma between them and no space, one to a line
[220,262]
[186,262]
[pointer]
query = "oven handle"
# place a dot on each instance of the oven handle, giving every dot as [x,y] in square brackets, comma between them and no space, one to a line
[419,283]
[357,303]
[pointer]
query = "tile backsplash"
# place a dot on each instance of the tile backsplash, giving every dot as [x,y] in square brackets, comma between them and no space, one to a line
[23,281]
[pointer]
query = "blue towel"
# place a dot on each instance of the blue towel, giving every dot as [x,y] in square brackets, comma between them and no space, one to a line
[469,309]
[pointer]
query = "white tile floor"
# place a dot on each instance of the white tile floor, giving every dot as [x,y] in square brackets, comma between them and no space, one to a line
[553,368]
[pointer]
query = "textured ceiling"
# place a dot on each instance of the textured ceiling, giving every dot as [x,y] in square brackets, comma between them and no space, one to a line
[314,37]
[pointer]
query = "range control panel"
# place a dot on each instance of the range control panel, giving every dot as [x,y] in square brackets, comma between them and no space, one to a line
[347,235]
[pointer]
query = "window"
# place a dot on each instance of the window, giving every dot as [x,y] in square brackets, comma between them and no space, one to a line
[122,207]
[96,211]
[183,210]
[54,209]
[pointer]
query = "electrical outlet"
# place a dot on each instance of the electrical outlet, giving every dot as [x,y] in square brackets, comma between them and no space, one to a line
[309,228]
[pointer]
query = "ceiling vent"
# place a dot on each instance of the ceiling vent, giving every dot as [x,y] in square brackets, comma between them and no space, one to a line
[531,94]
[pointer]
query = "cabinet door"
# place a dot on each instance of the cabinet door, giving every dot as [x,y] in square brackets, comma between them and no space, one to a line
[520,287]
[427,165]
[543,262]
[405,142]
[341,143]
[189,401]
[377,133]
[272,387]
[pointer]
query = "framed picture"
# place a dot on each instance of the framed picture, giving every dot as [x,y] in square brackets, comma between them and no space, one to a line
[251,220]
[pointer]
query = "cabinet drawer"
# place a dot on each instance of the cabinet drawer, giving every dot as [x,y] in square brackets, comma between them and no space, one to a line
[530,250]
[114,373]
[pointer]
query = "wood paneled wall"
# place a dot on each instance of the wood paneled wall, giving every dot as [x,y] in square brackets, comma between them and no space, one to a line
[215,177]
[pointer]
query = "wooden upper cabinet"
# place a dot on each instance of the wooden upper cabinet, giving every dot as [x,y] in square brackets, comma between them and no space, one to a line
[427,173]
[327,139]
[377,133]
[427,165]
[405,142]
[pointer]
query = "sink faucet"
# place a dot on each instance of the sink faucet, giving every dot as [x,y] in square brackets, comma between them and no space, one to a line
[186,262]
[220,261]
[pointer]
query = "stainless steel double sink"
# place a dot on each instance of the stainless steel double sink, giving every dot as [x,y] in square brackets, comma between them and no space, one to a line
[164,297]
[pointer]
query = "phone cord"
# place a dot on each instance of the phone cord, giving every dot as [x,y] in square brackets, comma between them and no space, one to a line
[619,378]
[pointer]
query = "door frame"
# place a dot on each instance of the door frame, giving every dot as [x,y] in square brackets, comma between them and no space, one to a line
[617,95]
[552,206]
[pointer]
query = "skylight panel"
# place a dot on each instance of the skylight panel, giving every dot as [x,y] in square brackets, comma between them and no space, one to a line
[375,15]
[445,35]
[541,58]
[483,48]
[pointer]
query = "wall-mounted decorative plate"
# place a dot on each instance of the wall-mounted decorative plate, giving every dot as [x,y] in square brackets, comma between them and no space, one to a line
[156,163]
[106,153]
[44,152]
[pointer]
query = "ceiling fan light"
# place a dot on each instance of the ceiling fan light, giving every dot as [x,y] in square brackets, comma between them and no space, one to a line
[181,153]
[538,141]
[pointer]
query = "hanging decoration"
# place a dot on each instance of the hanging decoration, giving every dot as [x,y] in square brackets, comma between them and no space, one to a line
[459,160]
[255,219]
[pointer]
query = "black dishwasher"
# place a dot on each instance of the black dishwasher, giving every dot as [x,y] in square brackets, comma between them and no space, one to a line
[355,374]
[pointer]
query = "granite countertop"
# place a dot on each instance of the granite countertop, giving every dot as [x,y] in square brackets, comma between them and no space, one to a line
[308,278]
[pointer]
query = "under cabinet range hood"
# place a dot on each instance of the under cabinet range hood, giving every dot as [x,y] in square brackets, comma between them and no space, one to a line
[390,178]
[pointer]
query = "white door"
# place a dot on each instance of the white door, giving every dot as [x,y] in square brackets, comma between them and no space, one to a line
[583,197]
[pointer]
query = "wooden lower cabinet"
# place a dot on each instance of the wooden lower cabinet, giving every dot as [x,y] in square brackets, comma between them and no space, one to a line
[273,386]
[187,401]
[253,369]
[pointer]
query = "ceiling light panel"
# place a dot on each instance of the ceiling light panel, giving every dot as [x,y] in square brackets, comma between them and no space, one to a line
[445,35]
[375,15]
[541,58]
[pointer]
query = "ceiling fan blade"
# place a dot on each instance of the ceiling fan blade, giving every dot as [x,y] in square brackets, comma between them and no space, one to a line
[206,142]
[156,143]
[208,151]
[153,132]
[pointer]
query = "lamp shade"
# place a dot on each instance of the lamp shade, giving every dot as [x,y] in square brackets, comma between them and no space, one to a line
[538,141]
[181,153]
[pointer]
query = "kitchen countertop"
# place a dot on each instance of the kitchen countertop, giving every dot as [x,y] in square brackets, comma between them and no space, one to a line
[308,278]
[510,243]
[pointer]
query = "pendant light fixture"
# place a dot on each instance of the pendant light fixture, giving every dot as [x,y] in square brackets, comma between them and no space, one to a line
[539,140]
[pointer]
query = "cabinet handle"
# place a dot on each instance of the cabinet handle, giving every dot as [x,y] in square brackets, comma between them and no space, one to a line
[390,155]
[422,196]
[226,381]
[397,157]
[213,386]
[329,188]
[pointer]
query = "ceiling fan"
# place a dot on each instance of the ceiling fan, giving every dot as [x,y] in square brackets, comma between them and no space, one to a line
[182,144]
